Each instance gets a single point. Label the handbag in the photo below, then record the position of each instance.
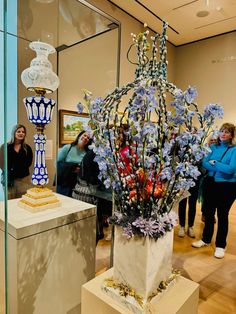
(66, 175)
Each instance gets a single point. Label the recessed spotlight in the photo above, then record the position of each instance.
(202, 13)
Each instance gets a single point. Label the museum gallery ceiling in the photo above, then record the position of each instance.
(189, 20)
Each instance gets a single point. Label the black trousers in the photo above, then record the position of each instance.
(192, 203)
(220, 197)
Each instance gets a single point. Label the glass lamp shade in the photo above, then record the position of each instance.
(40, 76)
(39, 109)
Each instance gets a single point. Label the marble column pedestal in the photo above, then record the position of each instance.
(51, 255)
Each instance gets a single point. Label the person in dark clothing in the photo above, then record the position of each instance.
(71, 155)
(192, 203)
(91, 190)
(221, 189)
(19, 159)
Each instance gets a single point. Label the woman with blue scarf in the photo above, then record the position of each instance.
(220, 188)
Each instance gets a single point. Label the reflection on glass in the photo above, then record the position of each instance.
(79, 22)
(57, 23)
(1, 16)
(19, 159)
(65, 22)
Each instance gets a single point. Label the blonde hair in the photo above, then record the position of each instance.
(231, 128)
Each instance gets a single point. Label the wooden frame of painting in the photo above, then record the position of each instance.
(70, 125)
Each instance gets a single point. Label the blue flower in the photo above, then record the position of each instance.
(185, 184)
(107, 183)
(178, 120)
(80, 107)
(180, 168)
(95, 105)
(190, 115)
(179, 95)
(184, 139)
(190, 94)
(140, 90)
(166, 173)
(192, 171)
(213, 111)
(179, 108)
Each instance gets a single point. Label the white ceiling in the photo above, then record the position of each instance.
(184, 25)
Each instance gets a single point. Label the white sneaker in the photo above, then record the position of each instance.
(199, 244)
(181, 232)
(219, 252)
(191, 232)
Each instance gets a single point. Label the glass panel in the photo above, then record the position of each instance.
(38, 20)
(64, 22)
(56, 22)
(11, 17)
(77, 22)
(95, 72)
(1, 15)
(2, 239)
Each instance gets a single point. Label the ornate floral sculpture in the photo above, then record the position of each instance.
(164, 142)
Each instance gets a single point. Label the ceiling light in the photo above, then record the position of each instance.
(202, 13)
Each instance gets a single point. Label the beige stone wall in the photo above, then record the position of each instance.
(210, 65)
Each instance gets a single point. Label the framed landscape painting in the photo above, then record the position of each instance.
(70, 125)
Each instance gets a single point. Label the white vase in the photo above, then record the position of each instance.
(142, 262)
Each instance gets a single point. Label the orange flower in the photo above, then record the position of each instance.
(132, 195)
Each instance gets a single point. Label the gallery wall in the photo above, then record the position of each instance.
(210, 65)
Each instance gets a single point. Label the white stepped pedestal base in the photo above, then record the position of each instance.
(181, 297)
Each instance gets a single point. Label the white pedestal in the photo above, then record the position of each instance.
(149, 260)
(51, 255)
(181, 298)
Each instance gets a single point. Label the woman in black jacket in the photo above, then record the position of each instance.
(19, 159)
(89, 189)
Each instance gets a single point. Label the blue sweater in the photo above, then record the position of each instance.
(224, 170)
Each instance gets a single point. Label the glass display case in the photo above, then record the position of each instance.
(87, 44)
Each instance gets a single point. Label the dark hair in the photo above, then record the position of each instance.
(230, 127)
(121, 131)
(75, 142)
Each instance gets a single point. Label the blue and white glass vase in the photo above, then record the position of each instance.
(40, 173)
(39, 109)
